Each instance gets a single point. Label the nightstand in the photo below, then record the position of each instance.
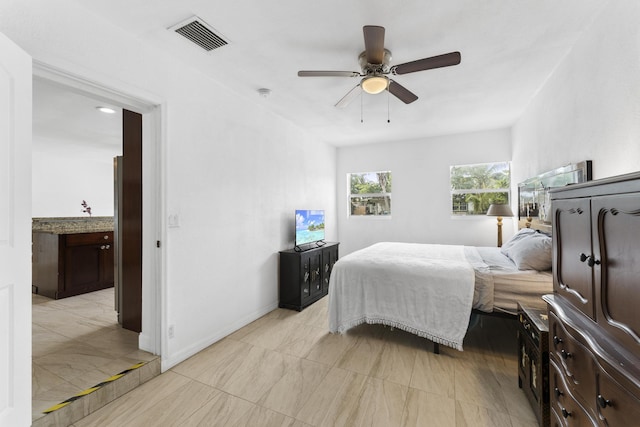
(533, 359)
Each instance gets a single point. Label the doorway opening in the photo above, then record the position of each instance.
(87, 329)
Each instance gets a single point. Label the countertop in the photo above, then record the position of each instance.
(73, 225)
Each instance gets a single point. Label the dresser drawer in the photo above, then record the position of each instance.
(615, 405)
(576, 362)
(89, 238)
(566, 410)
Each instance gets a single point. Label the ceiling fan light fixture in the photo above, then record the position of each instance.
(374, 84)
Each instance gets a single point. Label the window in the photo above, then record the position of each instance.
(370, 193)
(475, 187)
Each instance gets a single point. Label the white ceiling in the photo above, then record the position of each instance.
(70, 120)
(509, 48)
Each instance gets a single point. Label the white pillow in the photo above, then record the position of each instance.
(521, 234)
(533, 252)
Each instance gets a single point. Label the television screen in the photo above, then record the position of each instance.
(309, 226)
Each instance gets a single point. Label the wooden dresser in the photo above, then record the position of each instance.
(304, 276)
(594, 312)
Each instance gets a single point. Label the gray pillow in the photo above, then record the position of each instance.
(533, 252)
(521, 234)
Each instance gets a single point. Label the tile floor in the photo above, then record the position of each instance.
(77, 343)
(285, 369)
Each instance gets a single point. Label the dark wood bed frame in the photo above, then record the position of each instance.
(436, 346)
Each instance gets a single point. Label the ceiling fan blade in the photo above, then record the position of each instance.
(328, 74)
(346, 100)
(401, 92)
(374, 43)
(446, 60)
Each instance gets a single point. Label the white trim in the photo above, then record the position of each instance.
(125, 97)
(154, 154)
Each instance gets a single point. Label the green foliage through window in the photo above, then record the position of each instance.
(475, 187)
(370, 193)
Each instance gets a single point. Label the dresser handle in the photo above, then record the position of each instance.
(565, 354)
(591, 261)
(557, 340)
(565, 413)
(603, 402)
(558, 392)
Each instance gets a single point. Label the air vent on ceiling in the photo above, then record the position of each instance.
(197, 31)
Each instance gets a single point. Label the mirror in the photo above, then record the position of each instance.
(534, 203)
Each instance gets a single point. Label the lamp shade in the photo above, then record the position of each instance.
(499, 210)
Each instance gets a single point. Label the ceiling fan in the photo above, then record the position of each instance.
(374, 62)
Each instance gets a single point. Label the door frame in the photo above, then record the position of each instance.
(153, 201)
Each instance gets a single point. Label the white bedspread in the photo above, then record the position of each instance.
(423, 289)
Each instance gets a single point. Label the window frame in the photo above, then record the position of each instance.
(383, 194)
(456, 192)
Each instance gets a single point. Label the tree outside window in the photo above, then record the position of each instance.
(475, 187)
(370, 193)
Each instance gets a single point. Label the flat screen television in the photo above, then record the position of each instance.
(309, 226)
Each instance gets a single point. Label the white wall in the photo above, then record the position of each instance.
(66, 174)
(421, 200)
(233, 172)
(589, 109)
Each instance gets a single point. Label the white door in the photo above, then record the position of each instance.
(15, 235)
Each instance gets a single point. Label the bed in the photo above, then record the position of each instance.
(430, 290)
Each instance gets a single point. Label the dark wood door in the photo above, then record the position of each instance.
(131, 222)
(82, 269)
(316, 279)
(305, 279)
(88, 263)
(616, 226)
(329, 258)
(573, 277)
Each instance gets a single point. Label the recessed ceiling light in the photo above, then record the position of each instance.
(264, 92)
(106, 110)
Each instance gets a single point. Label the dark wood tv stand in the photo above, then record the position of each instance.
(304, 275)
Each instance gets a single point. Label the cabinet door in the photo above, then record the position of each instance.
(616, 230)
(315, 259)
(329, 258)
(81, 268)
(106, 265)
(305, 277)
(88, 262)
(572, 253)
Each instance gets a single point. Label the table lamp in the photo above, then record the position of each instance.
(499, 211)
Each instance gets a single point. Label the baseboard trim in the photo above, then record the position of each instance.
(172, 360)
